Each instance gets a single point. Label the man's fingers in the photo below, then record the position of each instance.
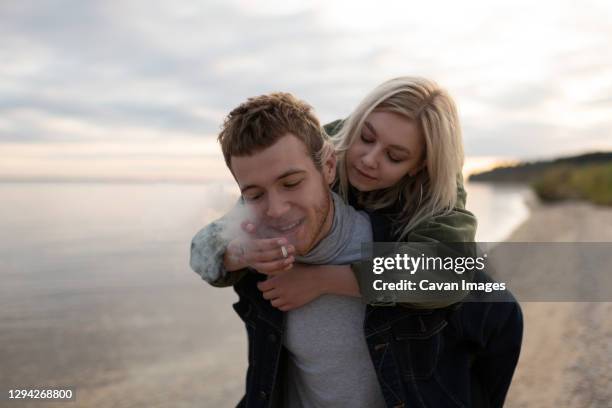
(247, 226)
(263, 250)
(269, 268)
(268, 244)
(272, 254)
(264, 255)
(262, 245)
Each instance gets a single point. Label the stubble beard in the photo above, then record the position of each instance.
(326, 211)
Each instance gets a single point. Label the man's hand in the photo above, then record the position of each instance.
(264, 255)
(294, 288)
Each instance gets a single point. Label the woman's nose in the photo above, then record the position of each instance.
(369, 159)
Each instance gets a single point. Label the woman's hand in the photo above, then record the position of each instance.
(293, 288)
(304, 283)
(264, 255)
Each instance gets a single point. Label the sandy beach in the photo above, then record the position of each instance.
(567, 353)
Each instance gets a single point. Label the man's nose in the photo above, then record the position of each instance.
(277, 206)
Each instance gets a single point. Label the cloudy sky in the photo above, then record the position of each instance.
(138, 89)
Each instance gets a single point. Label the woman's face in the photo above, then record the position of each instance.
(389, 147)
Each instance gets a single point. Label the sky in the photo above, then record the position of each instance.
(138, 89)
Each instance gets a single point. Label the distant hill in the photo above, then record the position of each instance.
(529, 172)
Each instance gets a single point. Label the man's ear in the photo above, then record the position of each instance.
(329, 167)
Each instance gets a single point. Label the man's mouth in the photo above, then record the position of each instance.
(287, 227)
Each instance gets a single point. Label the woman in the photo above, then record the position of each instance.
(400, 157)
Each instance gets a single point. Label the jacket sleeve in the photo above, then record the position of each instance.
(457, 226)
(496, 330)
(206, 258)
(497, 364)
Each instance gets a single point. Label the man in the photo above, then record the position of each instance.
(273, 146)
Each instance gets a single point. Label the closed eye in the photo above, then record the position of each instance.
(291, 185)
(365, 139)
(253, 197)
(394, 159)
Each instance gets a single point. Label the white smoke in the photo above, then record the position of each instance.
(233, 221)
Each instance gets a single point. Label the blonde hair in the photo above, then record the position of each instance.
(433, 191)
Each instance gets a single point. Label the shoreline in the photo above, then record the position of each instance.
(566, 352)
(487, 200)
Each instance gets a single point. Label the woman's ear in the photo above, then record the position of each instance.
(329, 166)
(418, 169)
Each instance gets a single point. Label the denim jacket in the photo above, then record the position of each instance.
(459, 356)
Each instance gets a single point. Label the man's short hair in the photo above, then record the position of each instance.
(259, 122)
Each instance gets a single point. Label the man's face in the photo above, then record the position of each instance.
(288, 194)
